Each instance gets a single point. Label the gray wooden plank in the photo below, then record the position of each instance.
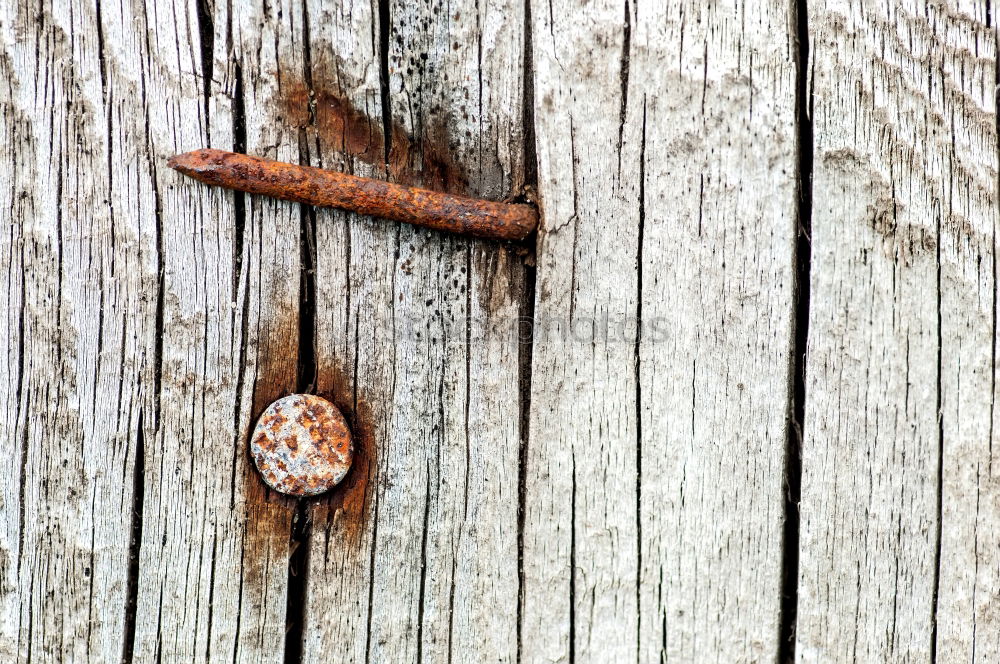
(968, 604)
(215, 543)
(153, 318)
(80, 262)
(660, 377)
(153, 315)
(899, 494)
(416, 558)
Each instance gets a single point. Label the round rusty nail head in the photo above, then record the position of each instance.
(302, 445)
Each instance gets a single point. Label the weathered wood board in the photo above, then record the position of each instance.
(667, 177)
(416, 337)
(900, 497)
(79, 331)
(591, 460)
(212, 541)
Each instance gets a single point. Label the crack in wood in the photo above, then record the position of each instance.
(800, 338)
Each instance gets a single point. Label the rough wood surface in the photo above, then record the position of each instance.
(609, 487)
(141, 307)
(900, 494)
(213, 560)
(655, 461)
(78, 327)
(416, 337)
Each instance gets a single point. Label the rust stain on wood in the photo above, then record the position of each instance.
(344, 511)
(340, 513)
(267, 513)
(424, 161)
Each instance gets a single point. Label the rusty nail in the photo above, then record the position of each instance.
(315, 186)
(302, 445)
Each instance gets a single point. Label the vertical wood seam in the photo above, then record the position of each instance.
(993, 350)
(802, 260)
(936, 584)
(297, 588)
(139, 468)
(135, 539)
(638, 382)
(525, 325)
(239, 220)
(383, 60)
(206, 39)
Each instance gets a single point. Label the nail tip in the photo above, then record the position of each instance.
(185, 162)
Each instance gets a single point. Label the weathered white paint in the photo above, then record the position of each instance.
(667, 175)
(902, 323)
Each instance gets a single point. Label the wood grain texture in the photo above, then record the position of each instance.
(899, 491)
(147, 315)
(610, 488)
(79, 264)
(655, 462)
(213, 563)
(416, 337)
